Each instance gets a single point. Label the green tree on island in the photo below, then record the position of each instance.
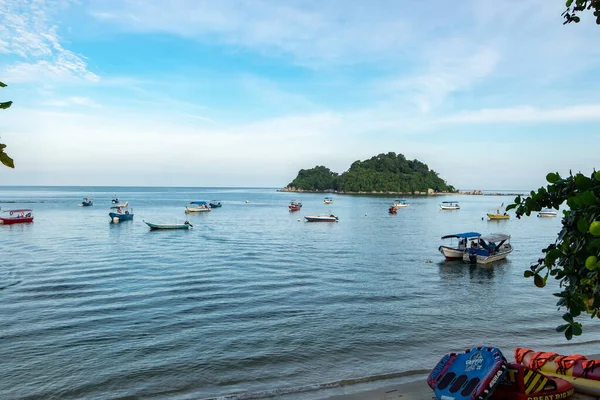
(4, 158)
(382, 173)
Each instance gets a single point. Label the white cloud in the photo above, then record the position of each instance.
(28, 32)
(579, 113)
(71, 101)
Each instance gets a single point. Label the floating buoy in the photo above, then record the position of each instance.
(116, 220)
(365, 214)
(299, 220)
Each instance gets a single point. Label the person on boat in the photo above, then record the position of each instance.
(473, 244)
(462, 244)
(492, 248)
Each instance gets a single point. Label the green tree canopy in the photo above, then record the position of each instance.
(389, 172)
(573, 258)
(576, 6)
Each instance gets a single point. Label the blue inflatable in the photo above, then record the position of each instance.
(472, 375)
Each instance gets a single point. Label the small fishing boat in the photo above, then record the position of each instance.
(87, 202)
(449, 205)
(185, 225)
(321, 218)
(115, 200)
(215, 204)
(400, 203)
(456, 252)
(393, 209)
(197, 206)
(498, 215)
(295, 205)
(328, 200)
(20, 216)
(121, 212)
(489, 248)
(547, 213)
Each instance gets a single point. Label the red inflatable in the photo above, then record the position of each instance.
(522, 383)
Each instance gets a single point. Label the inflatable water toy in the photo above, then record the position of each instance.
(523, 383)
(472, 375)
(582, 373)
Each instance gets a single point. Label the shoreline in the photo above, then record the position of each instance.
(386, 193)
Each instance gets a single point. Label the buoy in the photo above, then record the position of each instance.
(299, 220)
(365, 214)
(116, 220)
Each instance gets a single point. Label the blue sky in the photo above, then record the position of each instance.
(490, 94)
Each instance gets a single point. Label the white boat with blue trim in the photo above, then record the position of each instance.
(449, 205)
(456, 252)
(488, 249)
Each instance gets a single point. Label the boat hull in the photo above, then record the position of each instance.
(18, 220)
(321, 219)
(451, 253)
(498, 216)
(121, 217)
(167, 226)
(480, 257)
(196, 209)
(84, 204)
(450, 208)
(546, 215)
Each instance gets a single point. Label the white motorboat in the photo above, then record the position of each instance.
(400, 203)
(449, 205)
(547, 213)
(197, 206)
(321, 218)
(489, 248)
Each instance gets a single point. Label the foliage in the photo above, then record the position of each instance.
(581, 5)
(573, 258)
(384, 172)
(4, 158)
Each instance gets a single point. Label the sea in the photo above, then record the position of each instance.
(253, 302)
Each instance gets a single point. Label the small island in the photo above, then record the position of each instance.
(389, 173)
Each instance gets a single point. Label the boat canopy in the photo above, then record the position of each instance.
(449, 202)
(495, 237)
(465, 235)
(198, 202)
(401, 201)
(19, 210)
(124, 205)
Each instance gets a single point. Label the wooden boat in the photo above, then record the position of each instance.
(115, 200)
(321, 218)
(449, 205)
(215, 204)
(328, 200)
(185, 225)
(197, 206)
(20, 216)
(295, 205)
(400, 203)
(457, 252)
(121, 212)
(489, 248)
(87, 202)
(582, 373)
(547, 213)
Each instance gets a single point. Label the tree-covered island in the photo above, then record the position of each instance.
(384, 173)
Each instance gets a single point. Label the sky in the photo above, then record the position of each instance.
(490, 94)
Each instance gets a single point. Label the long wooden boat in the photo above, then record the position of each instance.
(498, 216)
(20, 216)
(321, 218)
(185, 225)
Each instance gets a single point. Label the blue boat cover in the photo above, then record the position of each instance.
(465, 235)
(198, 202)
(449, 202)
(472, 375)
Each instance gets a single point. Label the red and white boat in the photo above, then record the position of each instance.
(20, 216)
(295, 206)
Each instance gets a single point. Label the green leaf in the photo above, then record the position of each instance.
(569, 2)
(577, 330)
(5, 105)
(588, 198)
(538, 281)
(582, 225)
(567, 317)
(576, 19)
(528, 274)
(552, 177)
(562, 328)
(582, 182)
(569, 332)
(2, 84)
(6, 160)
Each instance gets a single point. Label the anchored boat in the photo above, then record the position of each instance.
(400, 203)
(215, 204)
(20, 216)
(456, 252)
(321, 218)
(87, 202)
(295, 205)
(197, 206)
(449, 205)
(328, 200)
(121, 212)
(185, 225)
(489, 248)
(547, 213)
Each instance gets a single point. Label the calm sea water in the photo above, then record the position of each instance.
(252, 299)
